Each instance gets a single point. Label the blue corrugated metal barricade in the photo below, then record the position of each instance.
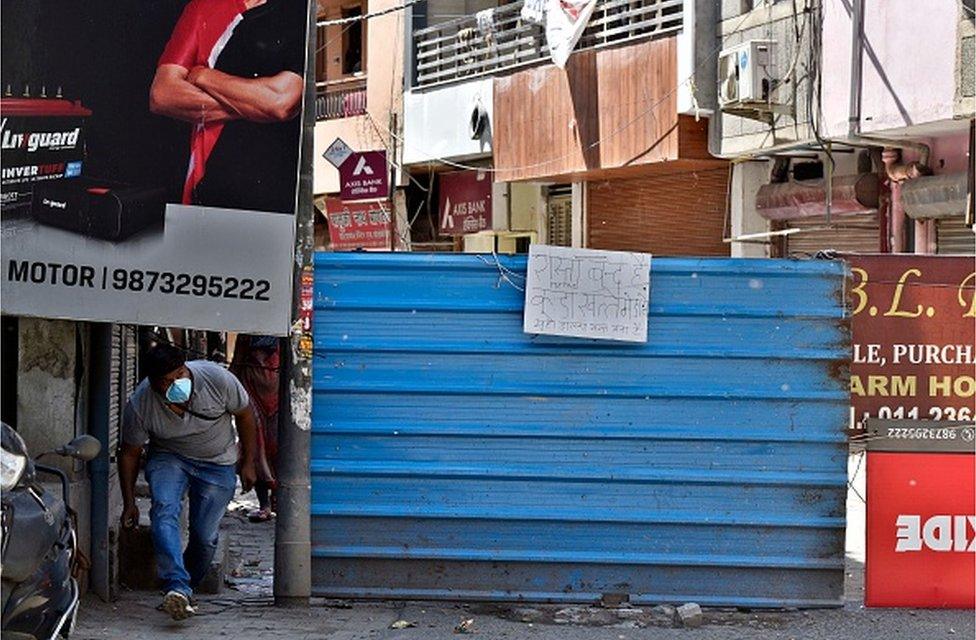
(454, 456)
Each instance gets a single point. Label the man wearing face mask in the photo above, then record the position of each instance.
(183, 411)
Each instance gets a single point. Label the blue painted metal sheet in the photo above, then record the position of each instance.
(454, 456)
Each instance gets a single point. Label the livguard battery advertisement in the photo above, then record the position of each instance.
(150, 156)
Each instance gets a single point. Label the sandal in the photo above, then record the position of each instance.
(260, 515)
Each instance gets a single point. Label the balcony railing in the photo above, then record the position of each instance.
(334, 101)
(458, 49)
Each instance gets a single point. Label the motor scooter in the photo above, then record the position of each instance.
(39, 545)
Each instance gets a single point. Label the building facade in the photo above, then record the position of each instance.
(359, 96)
(874, 155)
(610, 152)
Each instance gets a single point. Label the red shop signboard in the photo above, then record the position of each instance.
(359, 225)
(921, 520)
(464, 202)
(913, 328)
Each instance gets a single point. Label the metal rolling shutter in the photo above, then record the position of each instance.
(860, 235)
(954, 237)
(678, 214)
(455, 456)
(114, 400)
(124, 378)
(125, 349)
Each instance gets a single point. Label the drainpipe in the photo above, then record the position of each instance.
(897, 222)
(99, 391)
(925, 241)
(898, 172)
(921, 237)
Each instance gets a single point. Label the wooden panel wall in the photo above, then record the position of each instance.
(610, 108)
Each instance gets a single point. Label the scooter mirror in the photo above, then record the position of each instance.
(85, 448)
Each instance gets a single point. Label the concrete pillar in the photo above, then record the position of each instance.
(52, 392)
(401, 221)
(579, 215)
(747, 177)
(921, 237)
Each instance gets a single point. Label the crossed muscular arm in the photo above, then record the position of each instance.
(202, 94)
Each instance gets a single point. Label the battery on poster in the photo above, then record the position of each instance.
(40, 140)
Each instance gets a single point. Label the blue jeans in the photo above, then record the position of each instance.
(211, 487)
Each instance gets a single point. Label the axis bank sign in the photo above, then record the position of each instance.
(464, 202)
(364, 176)
(936, 533)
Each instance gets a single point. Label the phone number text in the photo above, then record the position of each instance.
(186, 284)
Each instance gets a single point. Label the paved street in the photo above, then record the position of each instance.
(244, 610)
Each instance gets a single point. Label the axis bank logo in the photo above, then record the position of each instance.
(938, 533)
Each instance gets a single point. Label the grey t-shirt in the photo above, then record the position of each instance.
(217, 393)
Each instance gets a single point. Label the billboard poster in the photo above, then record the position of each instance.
(153, 179)
(359, 225)
(913, 323)
(465, 202)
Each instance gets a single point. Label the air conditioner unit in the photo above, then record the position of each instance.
(746, 76)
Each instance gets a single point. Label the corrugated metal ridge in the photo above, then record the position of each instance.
(655, 310)
(514, 267)
(554, 350)
(477, 431)
(739, 266)
(413, 469)
(386, 593)
(554, 391)
(525, 515)
(657, 559)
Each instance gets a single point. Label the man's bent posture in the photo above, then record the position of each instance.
(184, 411)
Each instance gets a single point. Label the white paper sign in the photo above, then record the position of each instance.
(586, 293)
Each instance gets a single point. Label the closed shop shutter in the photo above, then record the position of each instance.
(124, 374)
(851, 235)
(115, 401)
(954, 237)
(678, 214)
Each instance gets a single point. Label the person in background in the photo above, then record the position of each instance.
(255, 363)
(186, 412)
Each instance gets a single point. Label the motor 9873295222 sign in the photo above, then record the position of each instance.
(187, 284)
(140, 280)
